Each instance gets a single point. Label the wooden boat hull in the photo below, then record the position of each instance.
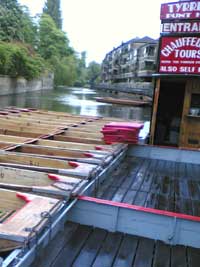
(123, 101)
(31, 162)
(38, 156)
(65, 154)
(22, 217)
(40, 182)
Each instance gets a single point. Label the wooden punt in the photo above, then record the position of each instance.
(62, 153)
(74, 138)
(78, 133)
(22, 216)
(37, 122)
(86, 147)
(63, 115)
(58, 135)
(35, 131)
(87, 128)
(14, 139)
(10, 140)
(27, 128)
(59, 118)
(53, 115)
(29, 132)
(23, 125)
(22, 118)
(123, 101)
(40, 182)
(64, 167)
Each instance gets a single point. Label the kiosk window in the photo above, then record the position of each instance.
(195, 101)
(195, 105)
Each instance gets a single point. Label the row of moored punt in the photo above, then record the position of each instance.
(45, 158)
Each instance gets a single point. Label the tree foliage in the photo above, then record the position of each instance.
(18, 60)
(52, 8)
(65, 71)
(54, 48)
(10, 21)
(52, 41)
(16, 23)
(29, 28)
(28, 46)
(81, 69)
(93, 72)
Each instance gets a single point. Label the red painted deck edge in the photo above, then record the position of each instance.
(140, 208)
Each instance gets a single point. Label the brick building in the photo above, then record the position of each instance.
(130, 62)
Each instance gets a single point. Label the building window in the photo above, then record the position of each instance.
(150, 51)
(195, 105)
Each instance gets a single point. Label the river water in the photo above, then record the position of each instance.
(76, 101)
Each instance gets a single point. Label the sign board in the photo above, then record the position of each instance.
(180, 55)
(180, 10)
(181, 27)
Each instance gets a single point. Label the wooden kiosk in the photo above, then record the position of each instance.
(176, 110)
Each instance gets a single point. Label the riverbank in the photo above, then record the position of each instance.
(12, 86)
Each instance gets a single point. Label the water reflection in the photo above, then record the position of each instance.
(75, 101)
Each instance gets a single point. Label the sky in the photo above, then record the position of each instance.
(97, 26)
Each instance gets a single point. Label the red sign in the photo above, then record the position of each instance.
(180, 10)
(180, 55)
(181, 27)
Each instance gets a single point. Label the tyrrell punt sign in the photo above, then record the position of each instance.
(180, 55)
(180, 10)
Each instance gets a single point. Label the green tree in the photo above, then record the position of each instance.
(81, 69)
(29, 28)
(17, 60)
(93, 72)
(54, 48)
(52, 41)
(10, 21)
(65, 71)
(52, 8)
(16, 23)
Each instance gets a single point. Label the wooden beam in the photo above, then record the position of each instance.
(154, 113)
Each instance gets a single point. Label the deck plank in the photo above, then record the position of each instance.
(140, 198)
(144, 254)
(109, 193)
(162, 255)
(45, 258)
(193, 257)
(69, 253)
(126, 252)
(138, 179)
(108, 251)
(129, 197)
(178, 256)
(119, 194)
(154, 183)
(83, 246)
(91, 248)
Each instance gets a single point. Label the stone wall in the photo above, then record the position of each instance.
(10, 86)
(143, 88)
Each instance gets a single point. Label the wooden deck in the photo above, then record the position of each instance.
(84, 246)
(152, 183)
